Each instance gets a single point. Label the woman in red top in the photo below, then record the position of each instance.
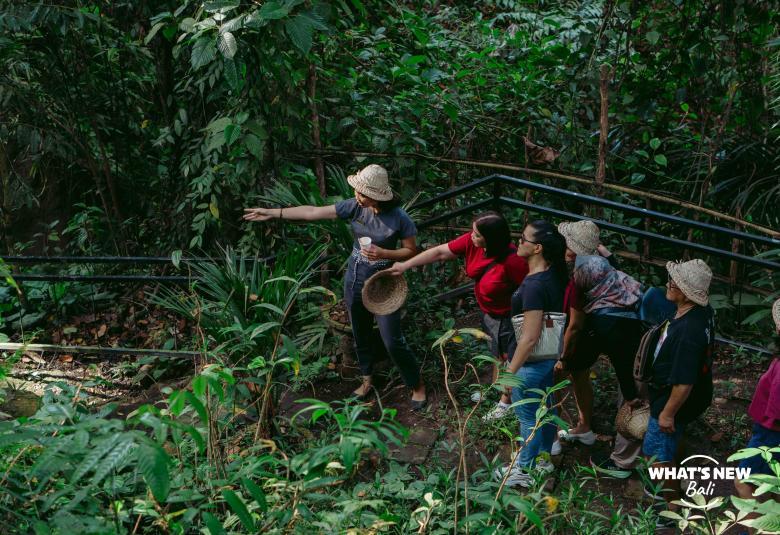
(492, 261)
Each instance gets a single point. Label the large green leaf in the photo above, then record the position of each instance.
(153, 464)
(273, 10)
(203, 52)
(232, 133)
(231, 74)
(240, 509)
(221, 5)
(254, 145)
(300, 29)
(227, 44)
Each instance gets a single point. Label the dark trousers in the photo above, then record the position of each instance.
(389, 327)
(618, 338)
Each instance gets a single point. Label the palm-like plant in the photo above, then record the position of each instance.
(245, 309)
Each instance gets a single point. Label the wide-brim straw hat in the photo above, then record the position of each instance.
(373, 182)
(582, 237)
(384, 293)
(776, 314)
(632, 423)
(692, 278)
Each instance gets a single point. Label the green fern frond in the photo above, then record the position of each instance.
(153, 465)
(115, 458)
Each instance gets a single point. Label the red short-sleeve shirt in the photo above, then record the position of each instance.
(573, 297)
(494, 290)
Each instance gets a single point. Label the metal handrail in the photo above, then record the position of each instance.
(497, 199)
(140, 260)
(637, 210)
(760, 262)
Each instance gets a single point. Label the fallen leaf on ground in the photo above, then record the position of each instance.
(65, 358)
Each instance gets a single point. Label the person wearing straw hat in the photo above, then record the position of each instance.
(497, 271)
(680, 386)
(378, 224)
(764, 410)
(602, 304)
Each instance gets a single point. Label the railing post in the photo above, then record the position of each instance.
(496, 193)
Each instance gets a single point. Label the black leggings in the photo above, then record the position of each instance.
(618, 338)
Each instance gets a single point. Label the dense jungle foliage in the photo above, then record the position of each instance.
(144, 128)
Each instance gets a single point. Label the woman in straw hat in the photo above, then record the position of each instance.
(376, 218)
(497, 271)
(541, 291)
(680, 386)
(602, 304)
(764, 410)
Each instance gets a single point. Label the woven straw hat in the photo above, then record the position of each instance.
(693, 278)
(372, 182)
(632, 423)
(582, 237)
(384, 293)
(776, 314)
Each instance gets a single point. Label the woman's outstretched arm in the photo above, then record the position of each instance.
(294, 213)
(435, 254)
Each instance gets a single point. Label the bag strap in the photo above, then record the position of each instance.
(490, 266)
(485, 271)
(645, 352)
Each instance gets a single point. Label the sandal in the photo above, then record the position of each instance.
(419, 405)
(365, 396)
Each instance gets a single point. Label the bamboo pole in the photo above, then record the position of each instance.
(601, 169)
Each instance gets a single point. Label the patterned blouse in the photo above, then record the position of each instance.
(603, 285)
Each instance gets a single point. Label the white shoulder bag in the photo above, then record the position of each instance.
(550, 343)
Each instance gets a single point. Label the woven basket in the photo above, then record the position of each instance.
(632, 423)
(384, 293)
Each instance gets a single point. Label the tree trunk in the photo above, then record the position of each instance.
(605, 75)
(319, 168)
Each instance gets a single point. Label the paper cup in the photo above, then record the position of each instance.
(365, 242)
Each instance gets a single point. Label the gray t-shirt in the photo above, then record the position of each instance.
(384, 228)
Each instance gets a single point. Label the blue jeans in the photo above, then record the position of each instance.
(762, 436)
(533, 375)
(363, 327)
(659, 444)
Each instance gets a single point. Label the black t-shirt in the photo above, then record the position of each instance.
(539, 291)
(685, 358)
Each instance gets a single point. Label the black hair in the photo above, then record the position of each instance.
(553, 248)
(495, 230)
(384, 206)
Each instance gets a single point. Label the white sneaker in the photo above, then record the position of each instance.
(519, 477)
(545, 466)
(556, 448)
(476, 397)
(496, 413)
(585, 438)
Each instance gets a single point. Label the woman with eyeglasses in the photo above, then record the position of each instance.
(680, 386)
(497, 271)
(542, 291)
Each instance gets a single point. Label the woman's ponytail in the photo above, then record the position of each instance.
(553, 248)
